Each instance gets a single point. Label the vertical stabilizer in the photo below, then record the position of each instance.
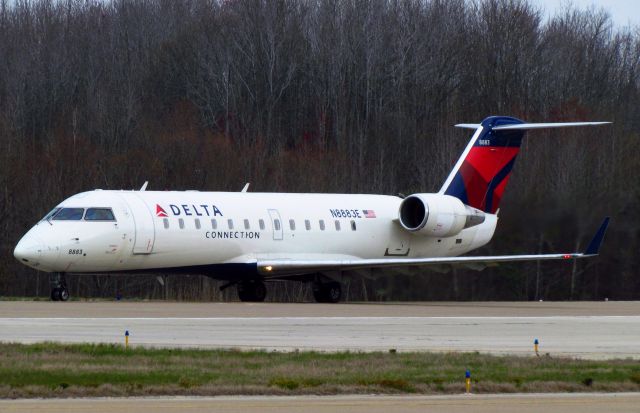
(480, 176)
(482, 172)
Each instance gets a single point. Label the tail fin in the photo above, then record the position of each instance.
(481, 174)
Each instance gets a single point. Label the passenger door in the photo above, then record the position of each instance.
(145, 228)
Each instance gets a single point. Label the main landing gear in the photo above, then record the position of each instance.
(329, 292)
(59, 290)
(253, 291)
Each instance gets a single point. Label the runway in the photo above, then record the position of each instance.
(523, 403)
(597, 330)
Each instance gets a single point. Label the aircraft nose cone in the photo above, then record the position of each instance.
(29, 250)
(32, 251)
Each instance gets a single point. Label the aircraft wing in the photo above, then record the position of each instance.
(280, 267)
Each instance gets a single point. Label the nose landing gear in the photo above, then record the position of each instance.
(58, 284)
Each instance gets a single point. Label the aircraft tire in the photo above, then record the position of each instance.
(259, 291)
(330, 292)
(55, 294)
(333, 292)
(64, 294)
(252, 291)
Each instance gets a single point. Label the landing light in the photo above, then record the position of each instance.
(268, 268)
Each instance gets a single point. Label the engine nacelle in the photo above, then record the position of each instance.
(435, 215)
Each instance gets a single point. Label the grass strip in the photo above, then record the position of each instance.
(75, 370)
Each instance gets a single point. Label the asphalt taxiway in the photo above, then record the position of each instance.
(522, 403)
(579, 329)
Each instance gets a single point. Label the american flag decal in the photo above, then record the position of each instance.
(369, 213)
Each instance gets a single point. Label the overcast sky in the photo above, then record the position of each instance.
(623, 12)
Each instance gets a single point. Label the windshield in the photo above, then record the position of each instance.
(50, 214)
(69, 214)
(99, 214)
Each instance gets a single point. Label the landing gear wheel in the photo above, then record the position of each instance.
(58, 283)
(330, 292)
(252, 291)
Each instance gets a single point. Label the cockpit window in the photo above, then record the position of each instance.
(99, 214)
(69, 214)
(50, 214)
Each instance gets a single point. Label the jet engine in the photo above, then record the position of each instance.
(436, 215)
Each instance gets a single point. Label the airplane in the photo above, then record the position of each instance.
(247, 238)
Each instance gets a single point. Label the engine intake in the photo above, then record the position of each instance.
(437, 215)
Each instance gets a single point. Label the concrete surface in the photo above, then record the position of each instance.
(587, 330)
(168, 309)
(522, 403)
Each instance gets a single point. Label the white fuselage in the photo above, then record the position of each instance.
(172, 230)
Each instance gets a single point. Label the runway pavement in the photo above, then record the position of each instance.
(169, 309)
(522, 403)
(588, 330)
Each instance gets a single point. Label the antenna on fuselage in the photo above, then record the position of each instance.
(144, 186)
(246, 187)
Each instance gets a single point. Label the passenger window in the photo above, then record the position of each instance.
(99, 214)
(276, 224)
(181, 223)
(261, 222)
(197, 223)
(322, 225)
(353, 225)
(214, 224)
(307, 224)
(292, 224)
(246, 224)
(166, 223)
(230, 222)
(337, 225)
(69, 214)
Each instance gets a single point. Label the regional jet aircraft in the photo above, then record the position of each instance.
(250, 238)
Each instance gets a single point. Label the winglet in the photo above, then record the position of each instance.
(594, 245)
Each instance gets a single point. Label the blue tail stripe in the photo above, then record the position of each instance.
(457, 188)
(497, 180)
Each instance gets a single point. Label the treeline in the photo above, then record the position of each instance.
(325, 96)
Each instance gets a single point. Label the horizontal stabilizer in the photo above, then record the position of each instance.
(527, 126)
(468, 125)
